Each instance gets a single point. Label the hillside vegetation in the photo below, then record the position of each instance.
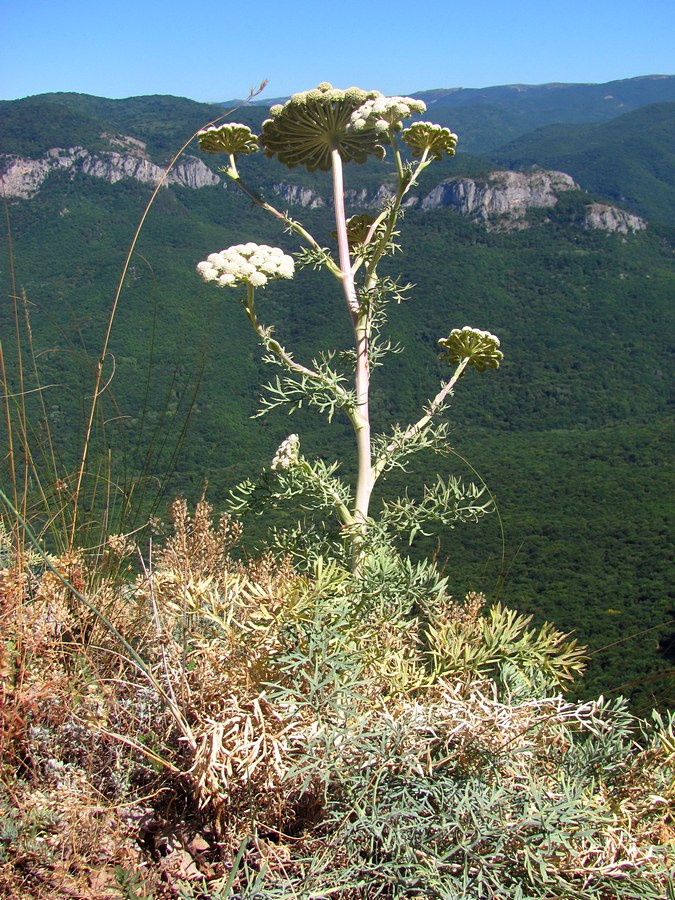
(587, 318)
(630, 159)
(294, 697)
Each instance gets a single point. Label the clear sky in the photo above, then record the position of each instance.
(216, 51)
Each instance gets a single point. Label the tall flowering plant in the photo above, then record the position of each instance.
(322, 129)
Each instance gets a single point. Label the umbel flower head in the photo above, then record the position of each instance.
(480, 347)
(435, 139)
(383, 113)
(309, 126)
(288, 453)
(228, 138)
(252, 264)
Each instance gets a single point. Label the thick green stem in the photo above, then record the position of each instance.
(360, 416)
(361, 421)
(346, 273)
(360, 316)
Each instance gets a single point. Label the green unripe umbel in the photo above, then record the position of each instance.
(480, 348)
(230, 138)
(435, 139)
(312, 124)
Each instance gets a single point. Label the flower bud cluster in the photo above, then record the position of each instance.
(434, 139)
(288, 453)
(250, 263)
(481, 348)
(383, 113)
(229, 138)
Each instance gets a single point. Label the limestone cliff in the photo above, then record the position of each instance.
(500, 195)
(611, 218)
(295, 195)
(23, 178)
(499, 200)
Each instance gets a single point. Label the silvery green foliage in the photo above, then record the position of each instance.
(463, 787)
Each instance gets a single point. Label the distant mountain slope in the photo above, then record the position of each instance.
(630, 159)
(36, 124)
(487, 118)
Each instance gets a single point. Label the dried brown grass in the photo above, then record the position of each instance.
(238, 732)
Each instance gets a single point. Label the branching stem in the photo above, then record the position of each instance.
(280, 352)
(294, 226)
(413, 430)
(379, 239)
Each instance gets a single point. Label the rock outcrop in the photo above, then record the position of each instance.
(501, 195)
(611, 218)
(499, 200)
(296, 195)
(23, 178)
(363, 198)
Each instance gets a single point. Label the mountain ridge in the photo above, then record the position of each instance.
(499, 199)
(629, 159)
(521, 107)
(464, 93)
(625, 162)
(47, 128)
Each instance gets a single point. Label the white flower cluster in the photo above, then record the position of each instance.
(383, 112)
(250, 263)
(287, 454)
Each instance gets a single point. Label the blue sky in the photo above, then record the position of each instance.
(217, 50)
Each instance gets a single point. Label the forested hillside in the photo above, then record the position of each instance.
(629, 159)
(573, 435)
(490, 117)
